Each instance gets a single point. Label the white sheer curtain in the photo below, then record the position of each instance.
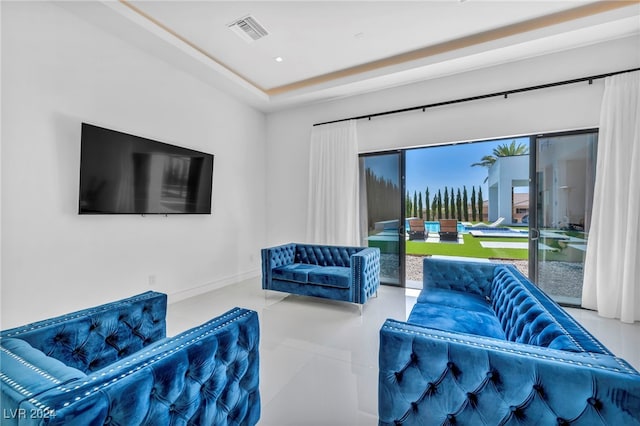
(333, 208)
(612, 264)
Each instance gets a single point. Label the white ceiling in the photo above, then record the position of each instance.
(340, 48)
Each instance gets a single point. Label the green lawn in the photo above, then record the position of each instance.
(470, 248)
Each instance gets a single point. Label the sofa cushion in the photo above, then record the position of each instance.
(447, 318)
(294, 272)
(456, 299)
(332, 276)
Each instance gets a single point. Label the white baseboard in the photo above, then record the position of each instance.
(215, 285)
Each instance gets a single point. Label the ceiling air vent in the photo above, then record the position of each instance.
(249, 29)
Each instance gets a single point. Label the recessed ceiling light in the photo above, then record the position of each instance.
(278, 59)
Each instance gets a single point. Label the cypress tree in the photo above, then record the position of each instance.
(459, 205)
(420, 205)
(465, 204)
(446, 203)
(415, 204)
(474, 212)
(480, 206)
(434, 206)
(439, 205)
(426, 205)
(453, 205)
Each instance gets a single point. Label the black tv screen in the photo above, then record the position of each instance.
(127, 174)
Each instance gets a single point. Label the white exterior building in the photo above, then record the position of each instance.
(506, 174)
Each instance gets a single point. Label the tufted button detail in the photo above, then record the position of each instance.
(431, 388)
(451, 418)
(414, 357)
(517, 411)
(473, 399)
(593, 401)
(562, 422)
(453, 368)
(108, 420)
(172, 408)
(398, 375)
(414, 406)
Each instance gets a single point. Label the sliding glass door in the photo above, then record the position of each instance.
(384, 181)
(556, 209)
(563, 179)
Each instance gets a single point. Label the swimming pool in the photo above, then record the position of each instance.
(478, 231)
(434, 226)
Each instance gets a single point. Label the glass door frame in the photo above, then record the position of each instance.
(401, 227)
(534, 232)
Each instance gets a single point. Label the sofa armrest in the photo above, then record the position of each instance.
(365, 273)
(469, 277)
(206, 375)
(26, 372)
(429, 376)
(274, 257)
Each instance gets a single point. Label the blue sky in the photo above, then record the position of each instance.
(450, 165)
(440, 166)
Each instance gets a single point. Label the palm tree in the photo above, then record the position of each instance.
(511, 150)
(486, 161)
(503, 150)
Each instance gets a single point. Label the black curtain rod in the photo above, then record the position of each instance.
(490, 95)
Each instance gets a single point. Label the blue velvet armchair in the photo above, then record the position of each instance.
(350, 274)
(112, 364)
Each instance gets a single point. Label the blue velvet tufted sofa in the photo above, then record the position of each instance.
(350, 274)
(484, 346)
(112, 364)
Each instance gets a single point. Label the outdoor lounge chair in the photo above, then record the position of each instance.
(448, 230)
(417, 230)
(491, 225)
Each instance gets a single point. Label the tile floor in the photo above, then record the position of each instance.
(319, 358)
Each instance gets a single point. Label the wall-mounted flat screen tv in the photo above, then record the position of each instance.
(126, 174)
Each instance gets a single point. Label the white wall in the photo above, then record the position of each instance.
(561, 108)
(504, 175)
(58, 71)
